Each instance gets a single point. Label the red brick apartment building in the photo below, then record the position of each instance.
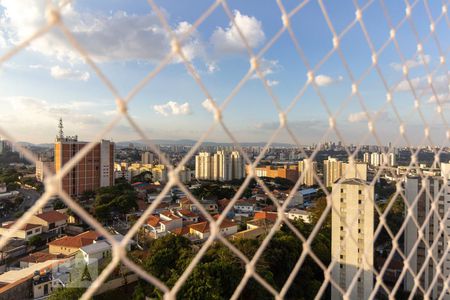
(94, 170)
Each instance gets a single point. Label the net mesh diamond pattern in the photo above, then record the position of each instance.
(55, 21)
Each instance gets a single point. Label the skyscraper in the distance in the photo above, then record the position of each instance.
(332, 171)
(352, 237)
(147, 157)
(203, 166)
(94, 170)
(308, 173)
(221, 166)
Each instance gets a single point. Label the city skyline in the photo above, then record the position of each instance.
(54, 82)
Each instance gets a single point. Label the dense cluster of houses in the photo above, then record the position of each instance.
(246, 218)
(45, 251)
(41, 257)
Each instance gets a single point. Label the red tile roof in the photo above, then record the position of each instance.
(52, 216)
(204, 226)
(180, 230)
(169, 214)
(153, 220)
(200, 227)
(187, 213)
(38, 257)
(272, 216)
(78, 241)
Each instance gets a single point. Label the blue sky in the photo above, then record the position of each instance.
(48, 79)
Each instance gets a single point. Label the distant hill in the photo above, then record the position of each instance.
(186, 142)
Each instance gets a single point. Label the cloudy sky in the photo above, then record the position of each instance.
(126, 40)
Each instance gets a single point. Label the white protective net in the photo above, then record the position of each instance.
(55, 21)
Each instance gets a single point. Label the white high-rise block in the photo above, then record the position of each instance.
(352, 237)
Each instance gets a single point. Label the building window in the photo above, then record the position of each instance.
(359, 192)
(342, 190)
(359, 201)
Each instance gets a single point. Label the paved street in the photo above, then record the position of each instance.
(30, 197)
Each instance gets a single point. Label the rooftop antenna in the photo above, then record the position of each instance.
(61, 127)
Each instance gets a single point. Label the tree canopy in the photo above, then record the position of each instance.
(220, 270)
(117, 199)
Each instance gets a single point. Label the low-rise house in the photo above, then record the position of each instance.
(96, 251)
(70, 245)
(263, 219)
(308, 194)
(180, 231)
(188, 216)
(209, 205)
(165, 199)
(299, 214)
(100, 249)
(38, 257)
(201, 230)
(282, 196)
(25, 283)
(272, 216)
(158, 226)
(14, 247)
(25, 232)
(53, 222)
(244, 207)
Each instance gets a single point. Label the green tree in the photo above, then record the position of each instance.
(58, 204)
(36, 241)
(145, 176)
(318, 209)
(118, 199)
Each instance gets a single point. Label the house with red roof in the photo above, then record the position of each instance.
(188, 216)
(70, 245)
(25, 232)
(52, 222)
(201, 230)
(160, 225)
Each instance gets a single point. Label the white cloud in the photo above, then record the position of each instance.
(325, 80)
(212, 67)
(173, 108)
(362, 116)
(268, 67)
(228, 40)
(208, 105)
(75, 112)
(440, 84)
(118, 36)
(58, 72)
(272, 82)
(443, 98)
(357, 117)
(412, 63)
